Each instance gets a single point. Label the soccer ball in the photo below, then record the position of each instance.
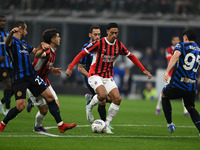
(98, 126)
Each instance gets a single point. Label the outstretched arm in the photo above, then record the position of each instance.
(134, 59)
(171, 64)
(10, 36)
(82, 70)
(75, 61)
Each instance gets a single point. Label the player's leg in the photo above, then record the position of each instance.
(186, 113)
(158, 106)
(20, 95)
(97, 84)
(189, 103)
(40, 117)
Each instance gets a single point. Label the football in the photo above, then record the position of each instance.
(98, 126)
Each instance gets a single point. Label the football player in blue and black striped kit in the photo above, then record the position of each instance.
(6, 69)
(26, 77)
(183, 83)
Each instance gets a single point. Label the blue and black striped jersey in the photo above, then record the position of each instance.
(87, 60)
(184, 75)
(7, 63)
(19, 54)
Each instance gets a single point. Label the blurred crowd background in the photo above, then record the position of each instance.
(146, 28)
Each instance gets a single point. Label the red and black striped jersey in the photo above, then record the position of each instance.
(42, 65)
(104, 56)
(169, 53)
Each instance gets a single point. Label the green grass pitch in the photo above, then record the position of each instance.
(136, 126)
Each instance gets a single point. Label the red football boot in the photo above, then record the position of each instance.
(65, 127)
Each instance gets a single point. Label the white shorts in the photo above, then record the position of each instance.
(39, 101)
(96, 81)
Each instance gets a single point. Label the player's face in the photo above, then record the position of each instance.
(2, 23)
(112, 34)
(95, 35)
(185, 39)
(56, 39)
(24, 31)
(175, 40)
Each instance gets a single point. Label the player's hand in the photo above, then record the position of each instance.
(166, 77)
(45, 46)
(68, 72)
(148, 74)
(57, 71)
(2, 59)
(16, 29)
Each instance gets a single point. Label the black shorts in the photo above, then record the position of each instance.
(5, 73)
(176, 93)
(34, 83)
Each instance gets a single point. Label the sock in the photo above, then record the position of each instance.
(158, 106)
(195, 117)
(11, 114)
(39, 119)
(1, 103)
(112, 111)
(102, 112)
(7, 97)
(184, 109)
(54, 110)
(93, 102)
(166, 105)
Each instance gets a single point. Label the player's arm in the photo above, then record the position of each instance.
(41, 53)
(56, 71)
(81, 69)
(9, 38)
(75, 61)
(173, 60)
(136, 61)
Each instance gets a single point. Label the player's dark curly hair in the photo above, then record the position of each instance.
(191, 34)
(20, 23)
(48, 34)
(93, 27)
(112, 25)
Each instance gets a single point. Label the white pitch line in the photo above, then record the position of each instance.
(101, 136)
(126, 125)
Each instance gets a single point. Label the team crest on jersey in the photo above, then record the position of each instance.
(19, 93)
(178, 45)
(4, 74)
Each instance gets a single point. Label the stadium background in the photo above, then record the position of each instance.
(143, 24)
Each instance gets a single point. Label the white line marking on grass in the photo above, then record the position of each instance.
(126, 125)
(101, 136)
(48, 134)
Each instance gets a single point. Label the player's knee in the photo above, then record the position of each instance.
(21, 106)
(43, 110)
(102, 96)
(103, 102)
(117, 100)
(49, 97)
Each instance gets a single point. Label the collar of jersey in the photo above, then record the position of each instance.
(109, 42)
(52, 50)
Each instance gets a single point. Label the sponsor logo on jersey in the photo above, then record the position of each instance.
(19, 93)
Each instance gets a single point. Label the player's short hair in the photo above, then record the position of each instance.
(20, 23)
(48, 34)
(191, 34)
(93, 27)
(2, 16)
(174, 36)
(112, 25)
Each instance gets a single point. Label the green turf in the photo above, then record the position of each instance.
(135, 127)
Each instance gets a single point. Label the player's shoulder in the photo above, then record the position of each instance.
(179, 45)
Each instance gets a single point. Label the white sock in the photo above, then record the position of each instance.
(184, 109)
(158, 106)
(39, 119)
(60, 123)
(112, 111)
(1, 103)
(93, 102)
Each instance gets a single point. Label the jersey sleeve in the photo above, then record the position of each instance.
(124, 50)
(83, 60)
(92, 47)
(178, 47)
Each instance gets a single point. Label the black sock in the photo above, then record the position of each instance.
(102, 112)
(195, 117)
(11, 114)
(7, 97)
(54, 110)
(167, 109)
(3, 100)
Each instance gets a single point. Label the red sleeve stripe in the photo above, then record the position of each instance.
(134, 59)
